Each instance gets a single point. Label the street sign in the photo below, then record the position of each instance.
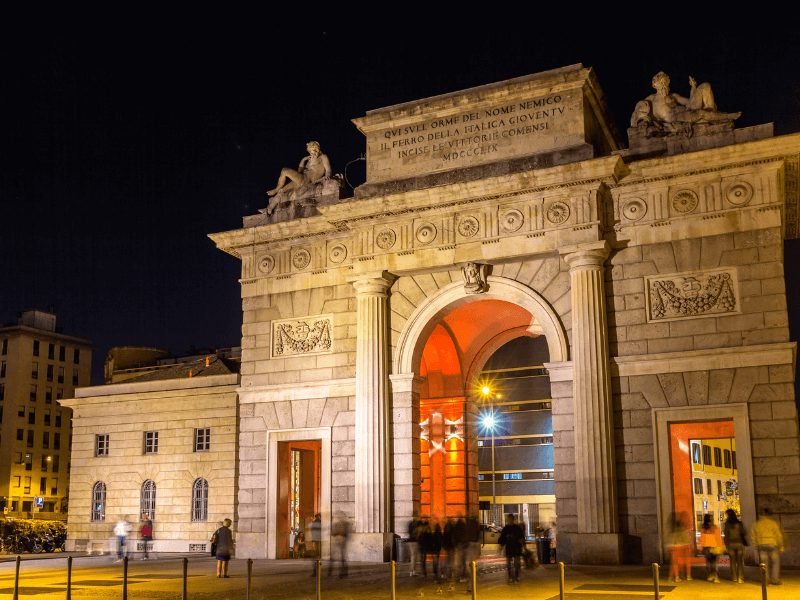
(38, 502)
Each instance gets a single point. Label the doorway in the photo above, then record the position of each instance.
(298, 494)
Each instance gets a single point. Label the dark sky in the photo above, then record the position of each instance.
(120, 152)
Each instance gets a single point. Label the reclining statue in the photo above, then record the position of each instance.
(313, 168)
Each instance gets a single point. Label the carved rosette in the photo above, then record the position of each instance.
(634, 209)
(558, 212)
(306, 336)
(337, 253)
(426, 233)
(385, 239)
(692, 295)
(511, 220)
(468, 227)
(265, 264)
(739, 193)
(684, 201)
(301, 259)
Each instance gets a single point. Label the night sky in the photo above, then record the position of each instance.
(120, 153)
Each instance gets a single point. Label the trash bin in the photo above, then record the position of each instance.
(401, 553)
(543, 550)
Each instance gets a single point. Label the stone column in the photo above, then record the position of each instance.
(598, 539)
(372, 475)
(405, 449)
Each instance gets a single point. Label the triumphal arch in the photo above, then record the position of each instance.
(648, 272)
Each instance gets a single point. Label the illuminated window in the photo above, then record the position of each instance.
(150, 442)
(148, 499)
(99, 501)
(200, 500)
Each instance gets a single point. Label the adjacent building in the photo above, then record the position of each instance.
(39, 366)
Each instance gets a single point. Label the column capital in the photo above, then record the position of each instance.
(581, 256)
(375, 283)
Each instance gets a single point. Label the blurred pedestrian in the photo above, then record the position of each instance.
(735, 541)
(512, 538)
(413, 544)
(712, 545)
(146, 534)
(679, 543)
(472, 548)
(768, 537)
(316, 541)
(121, 531)
(223, 538)
(339, 534)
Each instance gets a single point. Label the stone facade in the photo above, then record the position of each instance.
(657, 282)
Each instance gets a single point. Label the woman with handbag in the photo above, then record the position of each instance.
(735, 541)
(711, 543)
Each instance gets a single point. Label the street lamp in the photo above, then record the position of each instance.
(489, 422)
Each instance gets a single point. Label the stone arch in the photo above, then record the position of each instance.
(428, 313)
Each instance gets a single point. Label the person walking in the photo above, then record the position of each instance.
(223, 539)
(339, 536)
(413, 544)
(512, 538)
(711, 542)
(679, 542)
(769, 538)
(735, 541)
(121, 531)
(146, 533)
(316, 541)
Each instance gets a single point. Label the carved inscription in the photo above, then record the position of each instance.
(310, 335)
(692, 295)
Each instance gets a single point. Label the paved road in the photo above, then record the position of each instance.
(99, 578)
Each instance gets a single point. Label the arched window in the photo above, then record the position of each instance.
(200, 500)
(148, 503)
(99, 501)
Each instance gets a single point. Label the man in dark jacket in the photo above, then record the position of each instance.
(512, 538)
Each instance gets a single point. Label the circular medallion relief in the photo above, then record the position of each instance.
(558, 212)
(385, 239)
(684, 201)
(265, 264)
(301, 259)
(634, 209)
(468, 226)
(739, 193)
(511, 220)
(426, 233)
(337, 253)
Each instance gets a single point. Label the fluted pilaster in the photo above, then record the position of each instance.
(594, 423)
(372, 479)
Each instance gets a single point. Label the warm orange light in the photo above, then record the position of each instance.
(486, 390)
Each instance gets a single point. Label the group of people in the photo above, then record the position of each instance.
(766, 535)
(122, 530)
(458, 539)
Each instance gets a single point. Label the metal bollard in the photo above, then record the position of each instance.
(394, 580)
(474, 566)
(319, 579)
(16, 578)
(125, 578)
(249, 577)
(185, 592)
(763, 568)
(561, 581)
(655, 581)
(69, 578)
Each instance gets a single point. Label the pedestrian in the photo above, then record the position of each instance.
(712, 545)
(300, 545)
(121, 530)
(735, 541)
(316, 541)
(146, 533)
(214, 539)
(679, 542)
(472, 548)
(512, 538)
(769, 538)
(223, 539)
(413, 543)
(339, 535)
(424, 541)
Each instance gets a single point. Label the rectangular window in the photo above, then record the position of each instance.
(3, 369)
(43, 486)
(54, 487)
(34, 370)
(20, 435)
(33, 393)
(29, 441)
(717, 457)
(29, 462)
(202, 439)
(706, 455)
(51, 351)
(56, 441)
(17, 481)
(733, 459)
(48, 395)
(45, 463)
(31, 417)
(726, 456)
(62, 353)
(4, 348)
(708, 487)
(60, 374)
(35, 348)
(47, 419)
(719, 488)
(59, 394)
(56, 465)
(101, 445)
(46, 439)
(49, 373)
(74, 376)
(150, 442)
(26, 485)
(76, 356)
(21, 410)
(58, 418)
(2, 391)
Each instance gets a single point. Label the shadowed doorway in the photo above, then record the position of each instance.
(298, 495)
